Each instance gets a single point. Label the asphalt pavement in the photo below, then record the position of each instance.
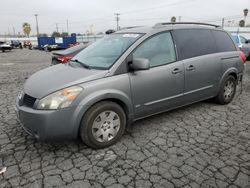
(201, 145)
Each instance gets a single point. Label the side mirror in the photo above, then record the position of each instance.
(247, 41)
(140, 64)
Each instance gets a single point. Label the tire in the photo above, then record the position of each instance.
(227, 90)
(100, 125)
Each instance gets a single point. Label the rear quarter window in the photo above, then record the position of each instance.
(223, 41)
(194, 42)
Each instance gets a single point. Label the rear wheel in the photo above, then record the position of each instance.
(103, 125)
(227, 90)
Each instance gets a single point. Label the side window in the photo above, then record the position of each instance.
(159, 50)
(223, 41)
(194, 42)
(243, 40)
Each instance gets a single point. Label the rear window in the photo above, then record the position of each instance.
(223, 41)
(194, 42)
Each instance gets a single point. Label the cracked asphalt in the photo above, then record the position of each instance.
(201, 145)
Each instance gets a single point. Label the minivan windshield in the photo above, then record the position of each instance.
(104, 53)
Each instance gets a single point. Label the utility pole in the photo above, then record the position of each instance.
(37, 28)
(117, 19)
(223, 22)
(57, 27)
(91, 29)
(68, 27)
(179, 18)
(245, 11)
(14, 31)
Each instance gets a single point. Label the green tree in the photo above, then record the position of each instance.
(173, 19)
(43, 35)
(64, 34)
(26, 29)
(56, 34)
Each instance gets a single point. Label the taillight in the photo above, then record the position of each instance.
(64, 59)
(243, 57)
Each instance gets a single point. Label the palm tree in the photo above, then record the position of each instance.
(242, 23)
(26, 29)
(245, 11)
(173, 19)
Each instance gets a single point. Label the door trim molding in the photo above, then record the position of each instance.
(200, 89)
(175, 96)
(162, 100)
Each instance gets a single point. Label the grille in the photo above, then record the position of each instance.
(28, 100)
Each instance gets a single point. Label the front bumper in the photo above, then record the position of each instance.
(48, 124)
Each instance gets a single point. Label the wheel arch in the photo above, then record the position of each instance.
(232, 71)
(234, 75)
(114, 96)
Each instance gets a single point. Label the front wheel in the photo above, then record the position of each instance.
(227, 90)
(103, 124)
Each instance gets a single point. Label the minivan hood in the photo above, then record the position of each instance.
(58, 77)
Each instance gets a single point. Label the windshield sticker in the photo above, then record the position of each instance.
(130, 35)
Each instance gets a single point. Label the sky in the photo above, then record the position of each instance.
(98, 15)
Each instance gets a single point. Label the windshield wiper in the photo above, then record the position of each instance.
(81, 63)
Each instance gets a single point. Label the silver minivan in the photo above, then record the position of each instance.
(129, 75)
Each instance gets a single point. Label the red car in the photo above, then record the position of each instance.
(65, 56)
(27, 44)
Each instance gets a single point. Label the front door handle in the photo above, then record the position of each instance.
(190, 68)
(176, 71)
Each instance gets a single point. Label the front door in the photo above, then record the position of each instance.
(160, 87)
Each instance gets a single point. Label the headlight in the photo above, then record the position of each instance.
(59, 99)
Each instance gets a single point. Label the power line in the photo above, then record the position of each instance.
(68, 27)
(57, 27)
(158, 7)
(132, 11)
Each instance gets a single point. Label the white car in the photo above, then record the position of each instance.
(4, 46)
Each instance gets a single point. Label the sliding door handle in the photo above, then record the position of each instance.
(176, 71)
(190, 68)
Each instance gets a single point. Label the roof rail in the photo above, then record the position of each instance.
(131, 27)
(188, 23)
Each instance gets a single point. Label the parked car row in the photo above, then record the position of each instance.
(15, 44)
